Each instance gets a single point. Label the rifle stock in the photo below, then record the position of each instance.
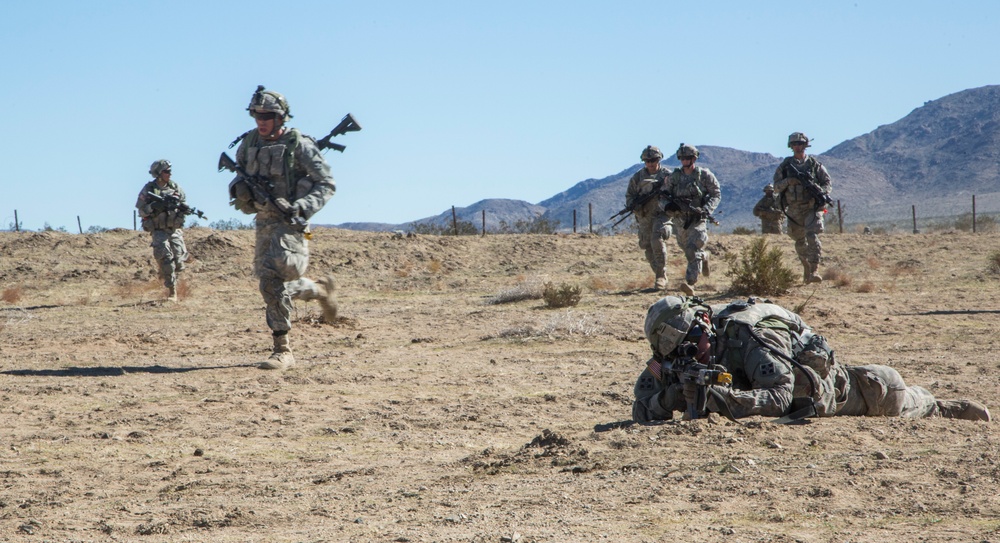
(347, 124)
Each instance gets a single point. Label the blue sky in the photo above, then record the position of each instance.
(460, 101)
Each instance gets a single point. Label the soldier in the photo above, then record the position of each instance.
(690, 196)
(158, 206)
(654, 226)
(768, 210)
(802, 186)
(773, 357)
(287, 181)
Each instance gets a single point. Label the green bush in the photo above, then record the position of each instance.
(231, 224)
(743, 231)
(759, 270)
(465, 228)
(564, 295)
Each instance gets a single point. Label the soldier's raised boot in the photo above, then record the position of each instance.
(963, 409)
(281, 358)
(687, 289)
(327, 300)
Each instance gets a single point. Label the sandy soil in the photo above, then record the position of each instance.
(428, 413)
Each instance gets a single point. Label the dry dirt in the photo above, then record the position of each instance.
(426, 413)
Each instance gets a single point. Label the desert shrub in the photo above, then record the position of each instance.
(994, 262)
(759, 269)
(530, 289)
(743, 231)
(597, 284)
(538, 225)
(838, 277)
(867, 286)
(48, 228)
(564, 295)
(95, 229)
(465, 228)
(12, 295)
(231, 224)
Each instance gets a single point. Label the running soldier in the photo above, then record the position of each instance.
(654, 226)
(802, 186)
(768, 210)
(773, 358)
(159, 205)
(690, 196)
(284, 181)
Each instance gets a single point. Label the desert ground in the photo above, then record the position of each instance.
(427, 412)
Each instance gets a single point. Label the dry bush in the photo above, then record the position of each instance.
(867, 286)
(873, 262)
(994, 262)
(600, 284)
(641, 284)
(759, 270)
(434, 266)
(905, 267)
(12, 295)
(564, 295)
(525, 289)
(837, 276)
(183, 290)
(136, 288)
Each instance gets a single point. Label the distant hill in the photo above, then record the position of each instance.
(935, 158)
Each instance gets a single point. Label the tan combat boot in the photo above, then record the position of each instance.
(172, 296)
(661, 282)
(281, 358)
(963, 409)
(687, 289)
(326, 299)
(810, 275)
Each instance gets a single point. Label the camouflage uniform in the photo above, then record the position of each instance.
(654, 226)
(755, 342)
(701, 188)
(300, 177)
(164, 225)
(768, 210)
(805, 214)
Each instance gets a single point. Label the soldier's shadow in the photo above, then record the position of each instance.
(114, 371)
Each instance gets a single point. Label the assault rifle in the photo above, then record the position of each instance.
(637, 203)
(806, 180)
(684, 205)
(171, 202)
(691, 373)
(260, 188)
(347, 124)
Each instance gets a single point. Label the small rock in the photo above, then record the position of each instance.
(881, 455)
(199, 452)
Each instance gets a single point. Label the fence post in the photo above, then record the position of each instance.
(134, 227)
(574, 221)
(590, 217)
(840, 217)
(484, 222)
(78, 225)
(17, 227)
(454, 220)
(973, 213)
(914, 218)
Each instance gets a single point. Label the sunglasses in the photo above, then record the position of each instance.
(265, 116)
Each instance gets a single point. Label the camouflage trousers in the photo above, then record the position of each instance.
(281, 257)
(770, 226)
(805, 228)
(879, 391)
(654, 231)
(170, 254)
(692, 241)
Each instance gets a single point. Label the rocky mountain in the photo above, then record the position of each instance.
(936, 158)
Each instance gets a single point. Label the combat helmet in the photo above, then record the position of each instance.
(687, 150)
(651, 153)
(265, 101)
(670, 320)
(158, 167)
(797, 137)
(769, 188)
